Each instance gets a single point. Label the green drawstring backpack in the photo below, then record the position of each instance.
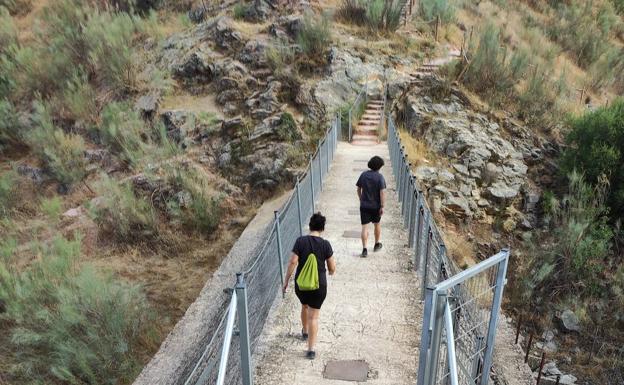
(308, 279)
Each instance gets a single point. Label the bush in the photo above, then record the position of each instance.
(240, 10)
(8, 31)
(430, 10)
(576, 246)
(16, 7)
(618, 5)
(62, 153)
(194, 205)
(487, 70)
(10, 127)
(80, 100)
(584, 29)
(279, 56)
(595, 141)
(378, 15)
(314, 37)
(8, 192)
(287, 129)
(67, 323)
(52, 208)
(121, 213)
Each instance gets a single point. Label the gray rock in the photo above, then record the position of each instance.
(457, 205)
(147, 105)
(569, 321)
(501, 191)
(225, 35)
(259, 10)
(254, 53)
(197, 66)
(35, 174)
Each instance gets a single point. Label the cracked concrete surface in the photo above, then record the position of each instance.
(372, 311)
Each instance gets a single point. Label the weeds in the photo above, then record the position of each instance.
(287, 129)
(431, 10)
(8, 192)
(240, 11)
(68, 324)
(8, 32)
(16, 7)
(10, 128)
(120, 212)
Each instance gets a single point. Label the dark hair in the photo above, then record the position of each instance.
(317, 222)
(375, 163)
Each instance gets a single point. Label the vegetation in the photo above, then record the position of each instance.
(120, 212)
(8, 191)
(315, 37)
(433, 9)
(240, 10)
(596, 141)
(67, 323)
(377, 15)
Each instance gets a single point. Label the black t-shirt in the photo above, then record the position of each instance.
(317, 245)
(371, 182)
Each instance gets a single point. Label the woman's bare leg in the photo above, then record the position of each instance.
(313, 318)
(304, 318)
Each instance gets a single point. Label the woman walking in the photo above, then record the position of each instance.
(312, 257)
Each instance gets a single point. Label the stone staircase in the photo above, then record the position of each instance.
(366, 133)
(429, 68)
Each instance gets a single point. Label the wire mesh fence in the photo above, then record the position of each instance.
(461, 307)
(224, 359)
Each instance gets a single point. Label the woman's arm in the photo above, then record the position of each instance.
(292, 265)
(331, 265)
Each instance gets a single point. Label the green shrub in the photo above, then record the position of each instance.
(16, 7)
(618, 5)
(487, 70)
(608, 69)
(80, 100)
(430, 10)
(279, 56)
(10, 127)
(8, 31)
(240, 10)
(314, 37)
(63, 153)
(194, 205)
(8, 192)
(584, 29)
(120, 212)
(287, 129)
(377, 15)
(596, 143)
(67, 323)
(52, 208)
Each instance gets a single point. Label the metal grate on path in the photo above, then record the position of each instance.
(348, 370)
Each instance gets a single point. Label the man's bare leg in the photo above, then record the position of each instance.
(377, 232)
(364, 235)
(313, 319)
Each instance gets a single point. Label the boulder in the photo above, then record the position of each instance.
(147, 106)
(259, 10)
(569, 322)
(225, 35)
(37, 175)
(197, 66)
(254, 53)
(287, 26)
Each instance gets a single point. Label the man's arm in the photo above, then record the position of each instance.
(292, 265)
(331, 265)
(359, 193)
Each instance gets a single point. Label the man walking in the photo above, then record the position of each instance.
(370, 190)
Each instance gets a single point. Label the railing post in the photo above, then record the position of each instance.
(320, 163)
(299, 207)
(279, 247)
(424, 262)
(413, 218)
(243, 327)
(350, 127)
(425, 337)
(496, 304)
(476, 363)
(436, 339)
(312, 180)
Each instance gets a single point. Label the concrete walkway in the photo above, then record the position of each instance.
(372, 310)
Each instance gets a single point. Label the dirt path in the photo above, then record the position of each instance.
(371, 312)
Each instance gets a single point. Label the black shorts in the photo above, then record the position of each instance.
(314, 298)
(369, 215)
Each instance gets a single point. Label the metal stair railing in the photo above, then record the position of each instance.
(227, 358)
(461, 307)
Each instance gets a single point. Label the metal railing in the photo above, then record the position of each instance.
(461, 308)
(357, 109)
(227, 358)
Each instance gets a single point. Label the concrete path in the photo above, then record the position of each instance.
(372, 310)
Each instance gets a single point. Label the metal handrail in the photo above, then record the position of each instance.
(361, 98)
(317, 170)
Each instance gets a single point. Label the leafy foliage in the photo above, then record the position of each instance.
(596, 141)
(69, 324)
(8, 191)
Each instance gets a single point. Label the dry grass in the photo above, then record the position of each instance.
(417, 151)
